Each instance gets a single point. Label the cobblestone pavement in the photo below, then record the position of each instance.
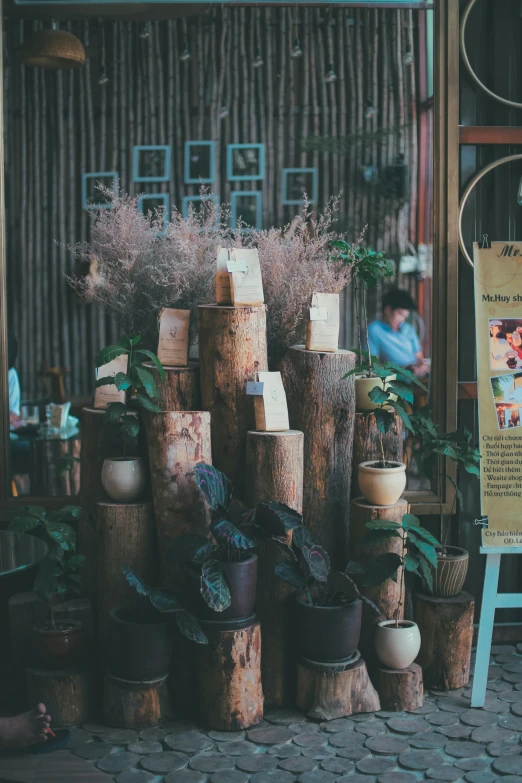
(445, 740)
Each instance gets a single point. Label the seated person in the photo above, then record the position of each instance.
(394, 340)
(14, 384)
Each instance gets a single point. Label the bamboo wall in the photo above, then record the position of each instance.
(61, 124)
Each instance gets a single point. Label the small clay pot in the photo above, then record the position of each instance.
(140, 643)
(328, 633)
(60, 647)
(381, 486)
(124, 479)
(241, 578)
(451, 571)
(396, 647)
(363, 387)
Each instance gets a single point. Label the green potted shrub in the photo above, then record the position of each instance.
(124, 478)
(452, 564)
(57, 644)
(328, 604)
(141, 637)
(397, 641)
(368, 268)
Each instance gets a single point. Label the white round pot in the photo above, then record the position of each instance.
(124, 479)
(397, 647)
(381, 486)
(363, 387)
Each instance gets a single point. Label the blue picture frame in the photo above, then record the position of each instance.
(187, 199)
(98, 175)
(312, 198)
(231, 148)
(212, 165)
(165, 198)
(165, 148)
(255, 194)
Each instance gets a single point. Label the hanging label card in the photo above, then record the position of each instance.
(254, 388)
(271, 409)
(247, 287)
(322, 334)
(223, 295)
(108, 393)
(498, 316)
(237, 266)
(173, 341)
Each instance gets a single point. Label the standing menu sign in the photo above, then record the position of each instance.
(498, 314)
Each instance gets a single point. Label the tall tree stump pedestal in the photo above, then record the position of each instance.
(229, 667)
(274, 468)
(69, 694)
(327, 691)
(135, 705)
(446, 629)
(400, 689)
(180, 389)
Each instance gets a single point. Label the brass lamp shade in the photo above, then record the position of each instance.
(56, 50)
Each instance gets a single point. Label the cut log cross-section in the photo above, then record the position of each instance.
(231, 695)
(366, 444)
(232, 348)
(180, 389)
(446, 629)
(322, 404)
(327, 691)
(69, 695)
(400, 690)
(135, 705)
(274, 468)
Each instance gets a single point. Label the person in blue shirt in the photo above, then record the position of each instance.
(394, 340)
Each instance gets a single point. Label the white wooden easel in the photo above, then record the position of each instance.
(491, 600)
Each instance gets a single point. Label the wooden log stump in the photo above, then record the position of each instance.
(446, 629)
(135, 705)
(125, 534)
(322, 405)
(329, 691)
(366, 444)
(400, 689)
(180, 389)
(177, 441)
(274, 468)
(183, 680)
(231, 695)
(68, 694)
(232, 345)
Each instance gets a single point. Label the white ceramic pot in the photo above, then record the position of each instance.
(124, 479)
(363, 387)
(397, 647)
(381, 486)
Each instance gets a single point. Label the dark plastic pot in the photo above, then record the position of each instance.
(242, 581)
(328, 633)
(140, 643)
(60, 647)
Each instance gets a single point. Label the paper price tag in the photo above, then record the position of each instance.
(237, 266)
(318, 314)
(255, 388)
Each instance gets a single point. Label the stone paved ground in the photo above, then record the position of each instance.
(445, 740)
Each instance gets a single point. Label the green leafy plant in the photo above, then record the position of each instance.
(418, 553)
(138, 383)
(58, 571)
(235, 529)
(308, 570)
(431, 451)
(165, 601)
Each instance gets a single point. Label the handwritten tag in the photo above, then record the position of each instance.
(237, 266)
(255, 388)
(318, 314)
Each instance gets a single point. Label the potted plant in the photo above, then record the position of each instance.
(141, 637)
(328, 604)
(382, 482)
(397, 641)
(368, 267)
(450, 572)
(124, 478)
(57, 644)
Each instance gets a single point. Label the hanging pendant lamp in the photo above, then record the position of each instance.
(54, 49)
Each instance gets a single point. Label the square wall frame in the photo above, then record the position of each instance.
(165, 177)
(258, 197)
(231, 148)
(212, 163)
(164, 197)
(96, 175)
(312, 198)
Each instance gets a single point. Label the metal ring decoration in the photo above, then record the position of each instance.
(467, 63)
(467, 192)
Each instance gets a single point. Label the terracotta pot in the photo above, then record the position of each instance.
(124, 479)
(61, 647)
(241, 577)
(363, 386)
(382, 486)
(397, 647)
(451, 571)
(140, 643)
(328, 633)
